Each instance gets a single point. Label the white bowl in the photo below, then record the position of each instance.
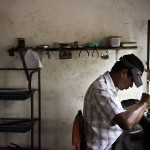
(115, 41)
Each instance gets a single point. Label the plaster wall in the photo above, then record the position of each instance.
(64, 82)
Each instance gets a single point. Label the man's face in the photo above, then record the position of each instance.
(125, 81)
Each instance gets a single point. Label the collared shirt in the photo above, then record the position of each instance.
(100, 107)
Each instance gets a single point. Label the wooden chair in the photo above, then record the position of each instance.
(78, 137)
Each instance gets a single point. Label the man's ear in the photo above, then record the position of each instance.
(124, 73)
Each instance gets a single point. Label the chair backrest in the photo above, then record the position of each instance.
(78, 137)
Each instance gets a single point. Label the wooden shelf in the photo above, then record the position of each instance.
(12, 50)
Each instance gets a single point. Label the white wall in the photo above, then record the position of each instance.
(64, 82)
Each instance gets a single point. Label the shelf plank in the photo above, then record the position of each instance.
(15, 93)
(12, 50)
(19, 125)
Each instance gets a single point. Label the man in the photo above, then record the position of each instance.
(104, 117)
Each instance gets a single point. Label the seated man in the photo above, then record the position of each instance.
(104, 118)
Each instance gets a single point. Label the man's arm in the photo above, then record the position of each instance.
(126, 120)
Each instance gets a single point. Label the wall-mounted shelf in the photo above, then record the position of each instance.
(65, 52)
(13, 50)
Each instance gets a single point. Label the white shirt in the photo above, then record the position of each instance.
(100, 107)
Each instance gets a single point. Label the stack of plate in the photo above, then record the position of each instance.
(129, 44)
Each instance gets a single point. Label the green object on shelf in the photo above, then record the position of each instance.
(93, 44)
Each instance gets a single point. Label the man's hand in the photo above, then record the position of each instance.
(126, 120)
(145, 98)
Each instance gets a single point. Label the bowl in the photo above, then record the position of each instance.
(115, 41)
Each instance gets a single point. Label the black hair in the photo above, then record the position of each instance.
(119, 65)
(134, 60)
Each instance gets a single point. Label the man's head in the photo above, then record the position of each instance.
(128, 69)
